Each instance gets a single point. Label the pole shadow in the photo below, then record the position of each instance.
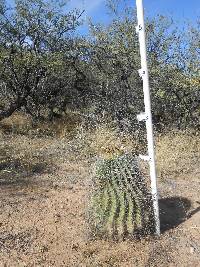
(174, 211)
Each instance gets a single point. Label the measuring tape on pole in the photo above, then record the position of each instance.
(146, 116)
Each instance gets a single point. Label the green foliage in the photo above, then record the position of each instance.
(173, 72)
(173, 57)
(44, 65)
(114, 56)
(37, 50)
(121, 205)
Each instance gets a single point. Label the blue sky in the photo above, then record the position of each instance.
(181, 10)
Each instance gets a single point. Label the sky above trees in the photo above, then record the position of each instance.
(180, 10)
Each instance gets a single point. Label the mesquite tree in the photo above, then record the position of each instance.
(45, 65)
(37, 50)
(173, 58)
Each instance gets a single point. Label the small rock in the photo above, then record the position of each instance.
(191, 250)
(70, 187)
(75, 246)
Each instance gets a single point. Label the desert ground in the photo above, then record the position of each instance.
(44, 188)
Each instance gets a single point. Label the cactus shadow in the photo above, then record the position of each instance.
(174, 211)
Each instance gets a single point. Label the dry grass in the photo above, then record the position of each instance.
(22, 157)
(27, 145)
(54, 216)
(63, 127)
(177, 154)
(33, 147)
(20, 123)
(104, 141)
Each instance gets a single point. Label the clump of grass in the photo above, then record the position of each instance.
(178, 154)
(63, 126)
(104, 141)
(21, 157)
(18, 123)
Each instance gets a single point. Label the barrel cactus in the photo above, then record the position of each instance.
(121, 205)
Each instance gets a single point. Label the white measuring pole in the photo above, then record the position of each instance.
(146, 116)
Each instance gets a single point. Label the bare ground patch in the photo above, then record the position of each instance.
(43, 222)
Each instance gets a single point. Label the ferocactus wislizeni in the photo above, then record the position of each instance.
(121, 205)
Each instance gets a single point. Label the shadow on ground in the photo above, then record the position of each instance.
(19, 170)
(174, 211)
(20, 176)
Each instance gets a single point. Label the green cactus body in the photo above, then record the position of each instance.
(121, 205)
(125, 218)
(129, 221)
(133, 197)
(105, 200)
(120, 212)
(111, 213)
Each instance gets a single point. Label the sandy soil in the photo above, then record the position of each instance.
(42, 223)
